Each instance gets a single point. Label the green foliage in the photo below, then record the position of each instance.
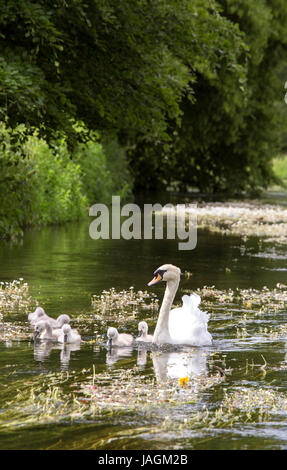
(189, 89)
(121, 181)
(57, 193)
(42, 184)
(104, 170)
(38, 184)
(231, 132)
(280, 169)
(112, 63)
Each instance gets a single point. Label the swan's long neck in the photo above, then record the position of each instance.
(161, 333)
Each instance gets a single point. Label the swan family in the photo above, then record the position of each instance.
(185, 325)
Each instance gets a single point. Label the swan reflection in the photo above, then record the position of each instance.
(177, 364)
(42, 351)
(65, 355)
(115, 354)
(142, 357)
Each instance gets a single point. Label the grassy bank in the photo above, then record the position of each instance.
(44, 183)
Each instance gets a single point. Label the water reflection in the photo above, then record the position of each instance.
(142, 357)
(42, 351)
(115, 354)
(174, 365)
(65, 355)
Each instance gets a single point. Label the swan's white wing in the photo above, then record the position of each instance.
(191, 301)
(188, 324)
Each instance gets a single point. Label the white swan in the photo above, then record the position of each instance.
(183, 325)
(68, 335)
(143, 333)
(118, 339)
(44, 330)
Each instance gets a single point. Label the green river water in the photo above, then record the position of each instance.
(64, 267)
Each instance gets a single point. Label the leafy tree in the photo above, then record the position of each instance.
(189, 87)
(107, 62)
(231, 131)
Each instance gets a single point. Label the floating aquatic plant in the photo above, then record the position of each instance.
(14, 331)
(242, 219)
(252, 301)
(47, 398)
(238, 407)
(128, 390)
(15, 296)
(111, 301)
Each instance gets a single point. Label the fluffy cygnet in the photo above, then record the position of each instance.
(68, 335)
(143, 333)
(39, 314)
(118, 339)
(44, 330)
(60, 321)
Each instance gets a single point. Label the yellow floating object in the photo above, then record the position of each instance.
(183, 381)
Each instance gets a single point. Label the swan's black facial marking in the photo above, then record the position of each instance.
(160, 272)
(158, 275)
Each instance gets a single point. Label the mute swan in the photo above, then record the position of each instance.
(43, 330)
(118, 339)
(183, 325)
(143, 330)
(67, 335)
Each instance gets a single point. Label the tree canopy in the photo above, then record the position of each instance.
(189, 87)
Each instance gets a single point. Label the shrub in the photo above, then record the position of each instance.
(104, 170)
(38, 184)
(43, 183)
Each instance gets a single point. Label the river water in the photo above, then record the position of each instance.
(64, 267)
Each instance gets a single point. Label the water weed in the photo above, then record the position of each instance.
(243, 219)
(14, 296)
(125, 301)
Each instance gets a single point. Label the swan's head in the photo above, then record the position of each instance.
(66, 329)
(39, 327)
(143, 328)
(166, 272)
(62, 320)
(112, 333)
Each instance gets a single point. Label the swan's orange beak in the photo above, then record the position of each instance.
(155, 280)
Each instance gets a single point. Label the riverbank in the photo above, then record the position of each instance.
(44, 183)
